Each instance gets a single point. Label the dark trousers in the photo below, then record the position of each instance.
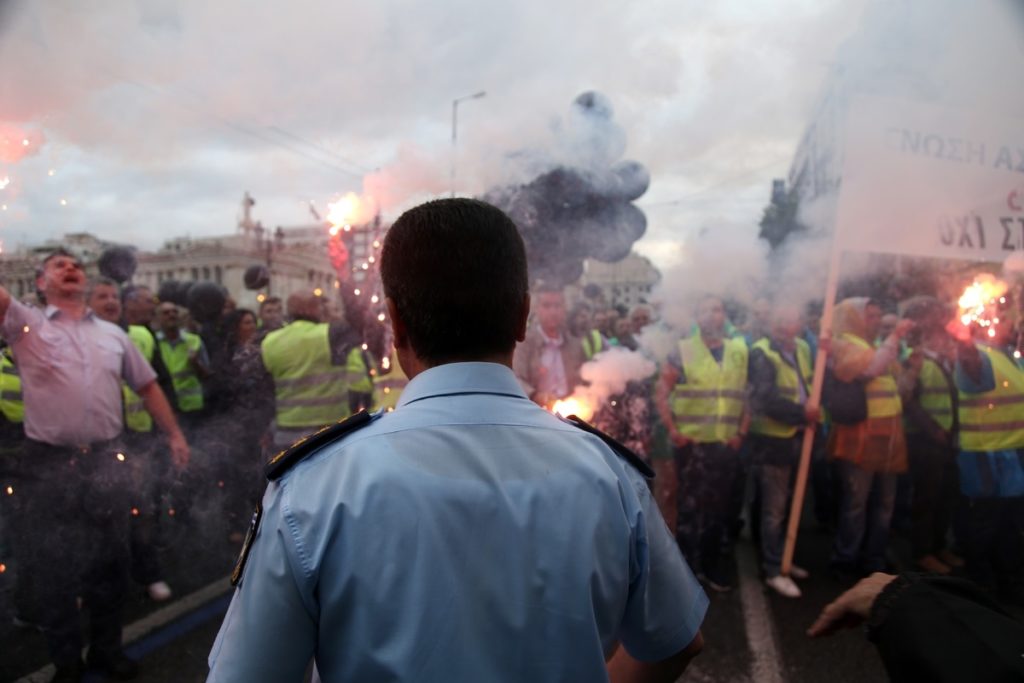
(824, 483)
(75, 512)
(148, 471)
(995, 557)
(706, 474)
(936, 487)
(13, 531)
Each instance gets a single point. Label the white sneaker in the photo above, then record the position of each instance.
(798, 573)
(159, 591)
(783, 585)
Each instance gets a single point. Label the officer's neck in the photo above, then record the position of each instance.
(413, 365)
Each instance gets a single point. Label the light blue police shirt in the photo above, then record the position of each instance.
(467, 536)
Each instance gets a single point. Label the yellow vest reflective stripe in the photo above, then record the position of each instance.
(994, 420)
(11, 403)
(187, 387)
(135, 416)
(787, 385)
(387, 388)
(592, 344)
(709, 405)
(882, 392)
(309, 390)
(935, 399)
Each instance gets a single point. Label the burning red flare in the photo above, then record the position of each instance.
(979, 307)
(572, 406)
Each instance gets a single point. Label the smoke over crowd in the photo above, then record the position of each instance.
(581, 208)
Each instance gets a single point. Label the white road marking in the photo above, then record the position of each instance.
(766, 661)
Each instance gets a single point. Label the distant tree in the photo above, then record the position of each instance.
(780, 218)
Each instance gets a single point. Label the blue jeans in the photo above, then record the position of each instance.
(867, 502)
(775, 483)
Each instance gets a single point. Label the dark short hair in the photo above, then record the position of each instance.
(456, 272)
(269, 301)
(59, 251)
(132, 292)
(104, 281)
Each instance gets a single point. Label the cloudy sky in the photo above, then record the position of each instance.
(154, 116)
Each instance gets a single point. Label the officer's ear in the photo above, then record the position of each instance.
(524, 316)
(398, 330)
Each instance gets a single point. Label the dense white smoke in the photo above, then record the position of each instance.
(608, 373)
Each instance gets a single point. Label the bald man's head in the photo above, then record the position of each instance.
(305, 305)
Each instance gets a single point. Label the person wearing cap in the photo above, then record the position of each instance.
(74, 474)
(447, 540)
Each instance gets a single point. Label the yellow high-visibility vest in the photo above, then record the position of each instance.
(11, 403)
(136, 418)
(309, 390)
(935, 397)
(592, 344)
(994, 420)
(187, 387)
(787, 383)
(882, 392)
(709, 405)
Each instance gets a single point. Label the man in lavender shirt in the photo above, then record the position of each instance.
(548, 361)
(73, 474)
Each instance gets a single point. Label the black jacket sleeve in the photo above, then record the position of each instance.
(932, 628)
(764, 396)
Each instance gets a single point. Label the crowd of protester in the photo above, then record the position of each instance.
(127, 423)
(920, 429)
(919, 426)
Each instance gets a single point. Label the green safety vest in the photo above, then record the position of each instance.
(994, 420)
(387, 388)
(11, 404)
(136, 418)
(187, 387)
(935, 397)
(787, 383)
(592, 344)
(309, 390)
(709, 406)
(882, 393)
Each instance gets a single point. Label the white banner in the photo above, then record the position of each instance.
(927, 181)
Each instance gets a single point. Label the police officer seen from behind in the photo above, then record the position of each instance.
(469, 535)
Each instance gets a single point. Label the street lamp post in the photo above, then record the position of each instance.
(455, 124)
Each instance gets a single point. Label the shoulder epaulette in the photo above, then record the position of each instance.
(289, 457)
(622, 451)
